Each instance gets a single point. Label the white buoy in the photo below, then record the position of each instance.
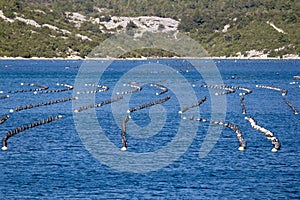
(274, 150)
(11, 110)
(1, 92)
(241, 148)
(35, 92)
(123, 149)
(4, 148)
(22, 83)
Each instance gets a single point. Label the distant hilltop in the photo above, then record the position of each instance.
(225, 28)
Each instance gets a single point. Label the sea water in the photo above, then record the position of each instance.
(57, 161)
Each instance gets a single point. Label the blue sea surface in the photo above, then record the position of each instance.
(53, 161)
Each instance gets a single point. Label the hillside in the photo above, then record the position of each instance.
(50, 28)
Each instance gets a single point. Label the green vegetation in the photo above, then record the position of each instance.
(202, 20)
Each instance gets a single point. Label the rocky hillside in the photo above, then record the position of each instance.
(49, 28)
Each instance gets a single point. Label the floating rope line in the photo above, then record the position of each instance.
(30, 106)
(193, 105)
(283, 91)
(123, 135)
(148, 104)
(101, 88)
(243, 105)
(270, 136)
(247, 90)
(82, 108)
(291, 106)
(4, 97)
(3, 119)
(233, 127)
(127, 118)
(137, 89)
(67, 88)
(229, 89)
(162, 88)
(28, 126)
(40, 88)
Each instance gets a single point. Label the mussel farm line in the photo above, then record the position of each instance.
(233, 127)
(82, 108)
(228, 89)
(243, 105)
(136, 89)
(161, 87)
(126, 119)
(292, 107)
(67, 87)
(192, 105)
(30, 106)
(100, 88)
(3, 119)
(283, 91)
(40, 88)
(26, 127)
(270, 136)
(4, 97)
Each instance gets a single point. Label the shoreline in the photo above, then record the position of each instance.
(151, 58)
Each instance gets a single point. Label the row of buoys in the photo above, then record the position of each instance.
(40, 88)
(29, 126)
(292, 107)
(4, 97)
(228, 89)
(82, 108)
(123, 135)
(243, 104)
(283, 91)
(201, 101)
(132, 85)
(67, 88)
(126, 119)
(270, 136)
(161, 87)
(3, 119)
(233, 127)
(239, 135)
(247, 90)
(102, 88)
(148, 104)
(30, 106)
